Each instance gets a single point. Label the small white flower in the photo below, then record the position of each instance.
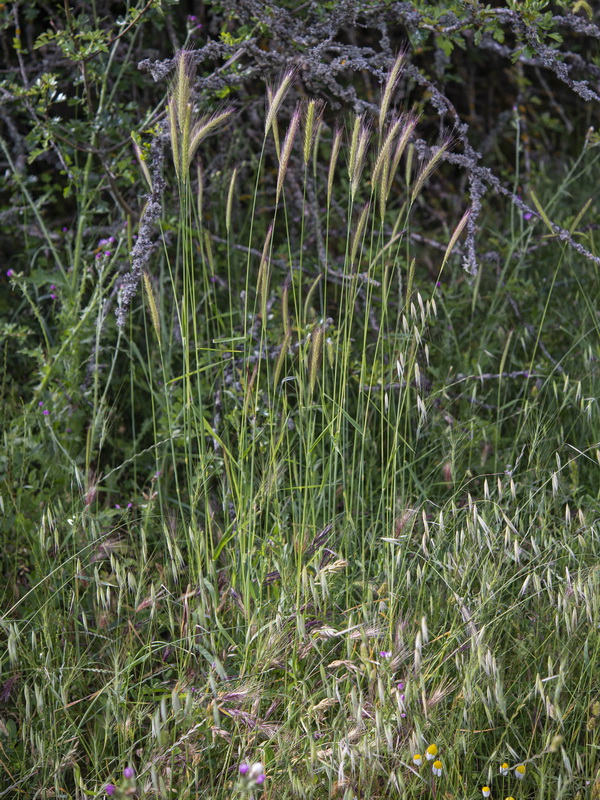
(437, 768)
(504, 770)
(520, 771)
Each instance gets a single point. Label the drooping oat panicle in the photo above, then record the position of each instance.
(286, 149)
(429, 167)
(312, 122)
(335, 151)
(277, 97)
(390, 87)
(230, 200)
(360, 229)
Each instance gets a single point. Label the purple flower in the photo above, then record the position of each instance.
(107, 253)
(244, 768)
(53, 296)
(41, 403)
(65, 229)
(118, 506)
(45, 412)
(10, 273)
(527, 216)
(128, 772)
(400, 686)
(52, 287)
(192, 18)
(402, 697)
(110, 788)
(403, 715)
(260, 778)
(385, 653)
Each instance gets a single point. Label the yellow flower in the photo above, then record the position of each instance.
(437, 768)
(520, 771)
(486, 791)
(417, 758)
(431, 752)
(504, 769)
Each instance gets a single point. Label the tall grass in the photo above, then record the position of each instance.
(363, 517)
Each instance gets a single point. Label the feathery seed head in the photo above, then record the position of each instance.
(314, 112)
(286, 150)
(276, 98)
(358, 155)
(428, 168)
(186, 131)
(390, 87)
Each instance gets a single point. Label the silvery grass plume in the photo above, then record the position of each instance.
(188, 130)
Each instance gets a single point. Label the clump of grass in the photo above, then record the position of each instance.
(352, 542)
